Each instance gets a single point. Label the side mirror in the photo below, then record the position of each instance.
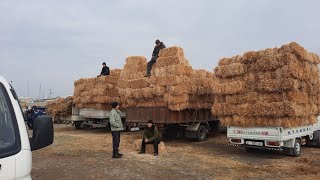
(42, 132)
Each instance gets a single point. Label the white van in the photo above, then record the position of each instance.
(15, 145)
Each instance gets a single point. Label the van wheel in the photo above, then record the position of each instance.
(296, 150)
(202, 133)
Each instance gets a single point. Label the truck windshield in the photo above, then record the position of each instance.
(9, 133)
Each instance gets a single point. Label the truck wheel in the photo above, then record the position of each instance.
(296, 150)
(202, 133)
(77, 125)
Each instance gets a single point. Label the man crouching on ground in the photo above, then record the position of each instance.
(151, 136)
(116, 127)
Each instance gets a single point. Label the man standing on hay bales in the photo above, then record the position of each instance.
(151, 136)
(105, 70)
(155, 55)
(116, 127)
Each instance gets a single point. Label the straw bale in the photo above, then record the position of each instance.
(235, 69)
(172, 99)
(149, 147)
(250, 57)
(281, 109)
(158, 90)
(276, 85)
(146, 92)
(179, 70)
(136, 60)
(272, 62)
(300, 52)
(171, 51)
(224, 109)
(171, 60)
(178, 90)
(115, 72)
(250, 97)
(235, 87)
(138, 83)
(89, 86)
(200, 73)
(86, 99)
(170, 80)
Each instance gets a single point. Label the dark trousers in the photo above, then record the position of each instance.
(150, 64)
(155, 143)
(29, 123)
(115, 142)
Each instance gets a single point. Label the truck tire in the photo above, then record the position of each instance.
(77, 125)
(171, 132)
(296, 150)
(202, 133)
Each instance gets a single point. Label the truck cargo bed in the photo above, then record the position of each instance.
(166, 116)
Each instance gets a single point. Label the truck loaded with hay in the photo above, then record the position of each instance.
(270, 99)
(92, 99)
(176, 97)
(60, 109)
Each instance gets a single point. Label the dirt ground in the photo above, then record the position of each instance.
(86, 154)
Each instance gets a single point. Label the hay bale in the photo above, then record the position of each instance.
(235, 69)
(171, 51)
(171, 83)
(271, 87)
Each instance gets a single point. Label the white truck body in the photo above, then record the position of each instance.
(273, 138)
(91, 118)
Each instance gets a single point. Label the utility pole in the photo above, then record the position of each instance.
(50, 93)
(28, 89)
(40, 92)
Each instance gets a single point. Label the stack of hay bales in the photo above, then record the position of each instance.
(60, 108)
(272, 87)
(98, 92)
(171, 83)
(200, 95)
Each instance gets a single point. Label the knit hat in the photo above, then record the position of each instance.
(157, 41)
(114, 104)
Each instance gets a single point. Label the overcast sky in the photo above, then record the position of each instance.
(53, 43)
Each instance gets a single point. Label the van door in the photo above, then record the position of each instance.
(10, 142)
(7, 167)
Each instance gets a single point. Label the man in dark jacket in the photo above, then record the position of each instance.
(155, 55)
(105, 70)
(151, 136)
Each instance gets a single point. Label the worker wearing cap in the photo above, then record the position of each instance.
(155, 55)
(116, 127)
(105, 70)
(151, 136)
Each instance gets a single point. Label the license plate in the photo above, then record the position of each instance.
(135, 129)
(254, 143)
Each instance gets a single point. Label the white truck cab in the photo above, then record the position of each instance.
(15, 144)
